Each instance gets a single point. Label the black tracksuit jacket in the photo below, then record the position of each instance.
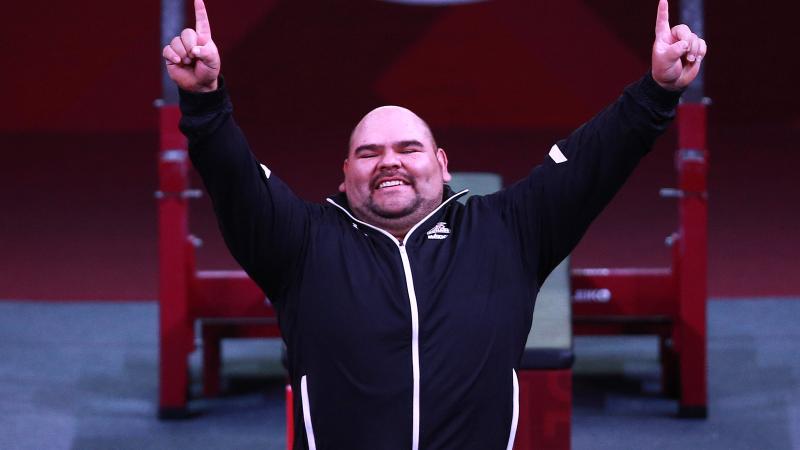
(414, 344)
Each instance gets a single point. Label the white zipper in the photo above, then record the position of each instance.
(412, 299)
(312, 444)
(514, 411)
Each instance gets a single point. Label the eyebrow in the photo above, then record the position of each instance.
(376, 147)
(411, 143)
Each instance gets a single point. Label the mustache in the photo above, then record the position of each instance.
(392, 174)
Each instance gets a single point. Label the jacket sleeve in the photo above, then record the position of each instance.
(552, 208)
(264, 224)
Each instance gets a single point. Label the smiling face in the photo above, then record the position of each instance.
(394, 174)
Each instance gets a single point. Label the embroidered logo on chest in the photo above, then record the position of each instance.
(439, 231)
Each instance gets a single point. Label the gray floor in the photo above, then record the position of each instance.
(83, 376)
(754, 386)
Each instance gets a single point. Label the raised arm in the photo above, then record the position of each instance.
(264, 224)
(553, 207)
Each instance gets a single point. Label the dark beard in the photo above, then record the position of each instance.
(375, 209)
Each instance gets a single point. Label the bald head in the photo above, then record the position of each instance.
(389, 118)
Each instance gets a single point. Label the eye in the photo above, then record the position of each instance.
(367, 155)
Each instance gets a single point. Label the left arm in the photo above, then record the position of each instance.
(552, 207)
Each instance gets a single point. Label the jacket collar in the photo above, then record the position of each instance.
(448, 196)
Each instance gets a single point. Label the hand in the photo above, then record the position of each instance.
(192, 58)
(677, 52)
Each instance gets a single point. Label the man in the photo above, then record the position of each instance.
(405, 313)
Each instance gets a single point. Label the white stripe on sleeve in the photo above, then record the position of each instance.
(266, 170)
(556, 154)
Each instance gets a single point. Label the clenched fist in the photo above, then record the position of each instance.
(192, 58)
(677, 52)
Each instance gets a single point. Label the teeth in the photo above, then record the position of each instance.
(389, 184)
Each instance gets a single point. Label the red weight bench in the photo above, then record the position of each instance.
(668, 302)
(226, 304)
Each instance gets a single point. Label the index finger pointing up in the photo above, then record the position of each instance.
(202, 27)
(662, 20)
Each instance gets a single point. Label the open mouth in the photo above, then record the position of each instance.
(390, 182)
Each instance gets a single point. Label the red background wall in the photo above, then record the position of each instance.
(498, 82)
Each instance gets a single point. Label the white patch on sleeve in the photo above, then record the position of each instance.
(555, 153)
(266, 170)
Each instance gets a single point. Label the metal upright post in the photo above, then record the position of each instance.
(176, 335)
(691, 161)
(172, 22)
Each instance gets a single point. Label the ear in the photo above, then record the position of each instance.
(344, 172)
(441, 156)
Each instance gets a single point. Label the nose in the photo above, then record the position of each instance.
(389, 160)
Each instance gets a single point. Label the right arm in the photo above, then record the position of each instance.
(263, 223)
